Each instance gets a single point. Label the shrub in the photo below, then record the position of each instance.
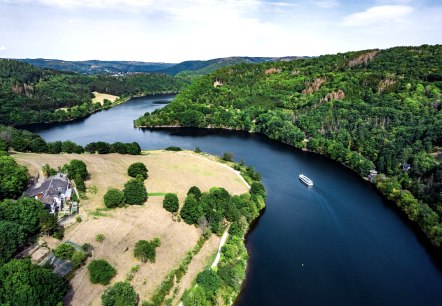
(77, 258)
(99, 238)
(195, 191)
(133, 148)
(113, 198)
(103, 147)
(210, 281)
(76, 168)
(135, 192)
(120, 294)
(170, 202)
(137, 169)
(48, 171)
(64, 251)
(173, 148)
(79, 183)
(197, 150)
(196, 296)
(100, 271)
(87, 248)
(258, 189)
(58, 233)
(146, 250)
(191, 210)
(227, 156)
(54, 147)
(118, 147)
(91, 148)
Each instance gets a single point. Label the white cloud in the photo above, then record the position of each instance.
(378, 15)
(172, 31)
(2, 48)
(326, 3)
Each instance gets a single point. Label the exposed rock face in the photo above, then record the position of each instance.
(17, 89)
(272, 70)
(335, 95)
(28, 90)
(363, 58)
(385, 83)
(311, 87)
(217, 83)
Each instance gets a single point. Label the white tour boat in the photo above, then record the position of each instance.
(305, 180)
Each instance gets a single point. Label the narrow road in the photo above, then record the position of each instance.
(218, 254)
(221, 244)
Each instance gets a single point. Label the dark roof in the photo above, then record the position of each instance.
(52, 187)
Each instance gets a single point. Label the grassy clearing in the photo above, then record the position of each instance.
(99, 97)
(159, 194)
(175, 172)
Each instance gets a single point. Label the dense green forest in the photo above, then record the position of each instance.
(373, 109)
(29, 94)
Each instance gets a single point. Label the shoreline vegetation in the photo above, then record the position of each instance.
(362, 109)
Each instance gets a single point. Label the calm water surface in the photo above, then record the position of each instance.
(336, 243)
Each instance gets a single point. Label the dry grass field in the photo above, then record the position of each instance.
(122, 227)
(99, 97)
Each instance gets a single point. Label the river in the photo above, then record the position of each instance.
(336, 243)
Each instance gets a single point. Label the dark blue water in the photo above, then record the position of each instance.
(336, 243)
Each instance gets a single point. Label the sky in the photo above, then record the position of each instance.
(177, 30)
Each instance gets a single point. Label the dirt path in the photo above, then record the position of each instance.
(35, 170)
(221, 244)
(189, 277)
(197, 265)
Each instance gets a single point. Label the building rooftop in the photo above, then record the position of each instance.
(52, 187)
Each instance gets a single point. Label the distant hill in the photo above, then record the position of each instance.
(206, 67)
(96, 66)
(115, 67)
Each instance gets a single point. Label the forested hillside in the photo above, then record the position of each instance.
(29, 94)
(373, 109)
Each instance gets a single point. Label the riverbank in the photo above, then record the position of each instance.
(397, 196)
(221, 282)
